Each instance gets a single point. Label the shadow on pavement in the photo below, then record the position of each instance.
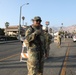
(12, 64)
(71, 59)
(17, 64)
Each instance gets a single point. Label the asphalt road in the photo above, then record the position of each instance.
(62, 61)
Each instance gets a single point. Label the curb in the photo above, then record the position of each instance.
(9, 41)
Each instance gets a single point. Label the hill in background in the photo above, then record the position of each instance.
(70, 29)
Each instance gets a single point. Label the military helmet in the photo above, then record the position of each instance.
(37, 18)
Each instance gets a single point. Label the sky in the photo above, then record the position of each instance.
(54, 11)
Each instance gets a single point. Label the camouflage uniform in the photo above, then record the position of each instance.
(35, 62)
(59, 39)
(48, 38)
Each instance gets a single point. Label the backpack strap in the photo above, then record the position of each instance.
(32, 28)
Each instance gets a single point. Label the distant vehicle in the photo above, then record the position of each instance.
(69, 36)
(2, 39)
(55, 38)
(74, 38)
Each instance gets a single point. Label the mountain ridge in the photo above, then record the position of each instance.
(71, 28)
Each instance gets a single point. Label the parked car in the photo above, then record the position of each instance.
(2, 39)
(74, 38)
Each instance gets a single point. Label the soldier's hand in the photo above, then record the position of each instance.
(37, 32)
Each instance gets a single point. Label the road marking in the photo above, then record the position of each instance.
(9, 57)
(63, 71)
(7, 51)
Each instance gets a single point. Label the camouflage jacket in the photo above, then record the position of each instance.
(48, 38)
(35, 42)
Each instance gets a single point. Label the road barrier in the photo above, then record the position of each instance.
(23, 56)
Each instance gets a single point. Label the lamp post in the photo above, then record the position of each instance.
(62, 26)
(23, 18)
(47, 23)
(20, 17)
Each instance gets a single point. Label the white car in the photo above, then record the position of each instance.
(74, 38)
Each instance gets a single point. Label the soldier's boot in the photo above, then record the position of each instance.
(47, 53)
(59, 46)
(40, 74)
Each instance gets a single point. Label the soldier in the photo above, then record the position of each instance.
(36, 50)
(59, 39)
(48, 38)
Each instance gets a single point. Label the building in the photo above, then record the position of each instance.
(14, 30)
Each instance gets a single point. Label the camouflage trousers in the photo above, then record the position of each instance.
(35, 63)
(48, 49)
(59, 42)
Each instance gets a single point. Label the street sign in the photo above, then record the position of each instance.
(47, 22)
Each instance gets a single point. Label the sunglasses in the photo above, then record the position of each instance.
(38, 20)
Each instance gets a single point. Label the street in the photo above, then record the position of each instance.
(62, 61)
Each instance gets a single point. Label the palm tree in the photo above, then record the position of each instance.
(6, 25)
(23, 18)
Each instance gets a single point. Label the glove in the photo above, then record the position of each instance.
(37, 32)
